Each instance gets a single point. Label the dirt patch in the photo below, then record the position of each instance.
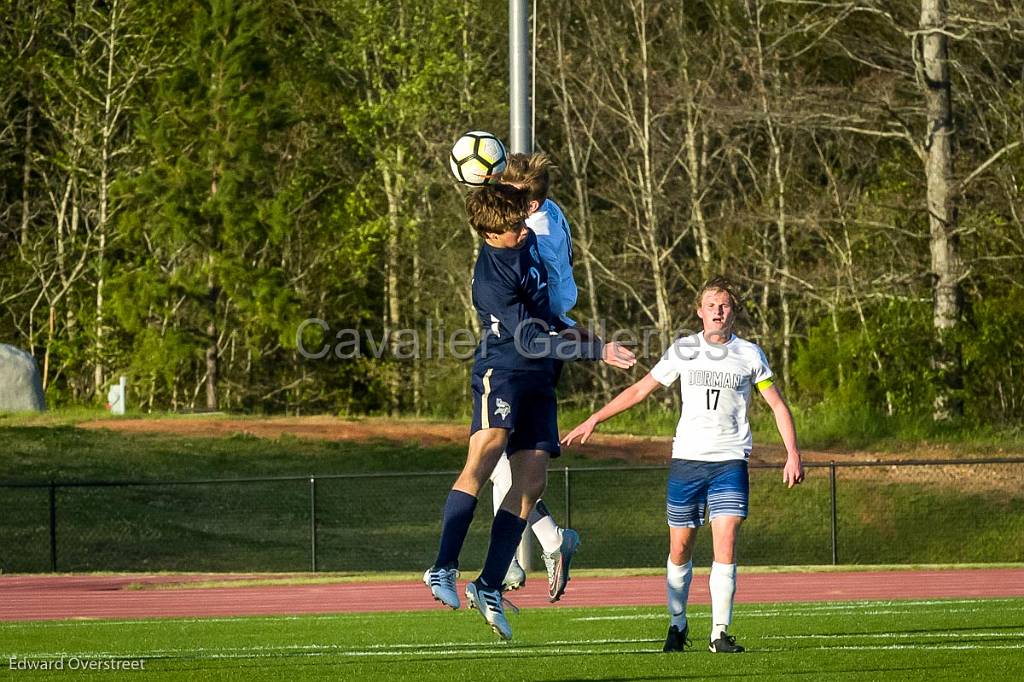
(635, 449)
(316, 428)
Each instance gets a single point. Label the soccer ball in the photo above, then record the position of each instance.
(475, 157)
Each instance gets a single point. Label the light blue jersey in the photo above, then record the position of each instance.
(554, 241)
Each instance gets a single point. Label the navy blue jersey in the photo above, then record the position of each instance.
(511, 298)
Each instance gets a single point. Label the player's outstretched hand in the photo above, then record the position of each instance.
(793, 472)
(582, 432)
(617, 355)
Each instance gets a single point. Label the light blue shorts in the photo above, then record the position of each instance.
(723, 486)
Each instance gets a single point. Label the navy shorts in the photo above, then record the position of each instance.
(523, 402)
(723, 486)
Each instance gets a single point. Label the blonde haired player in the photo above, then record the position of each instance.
(717, 372)
(532, 173)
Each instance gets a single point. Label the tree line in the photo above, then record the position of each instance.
(186, 184)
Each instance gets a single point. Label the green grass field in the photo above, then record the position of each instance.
(891, 640)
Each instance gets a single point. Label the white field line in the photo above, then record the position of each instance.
(368, 649)
(501, 650)
(456, 649)
(863, 608)
(879, 612)
(775, 614)
(915, 647)
(99, 621)
(513, 651)
(859, 605)
(900, 635)
(809, 609)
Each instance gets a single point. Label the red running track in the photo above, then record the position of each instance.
(63, 597)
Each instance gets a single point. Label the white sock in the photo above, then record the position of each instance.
(546, 530)
(723, 587)
(501, 478)
(679, 578)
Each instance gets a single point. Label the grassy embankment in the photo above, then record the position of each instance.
(968, 513)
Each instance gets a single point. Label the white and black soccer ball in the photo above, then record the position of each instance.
(476, 157)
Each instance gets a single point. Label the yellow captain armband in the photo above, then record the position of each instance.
(765, 383)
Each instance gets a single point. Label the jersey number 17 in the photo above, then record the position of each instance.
(717, 392)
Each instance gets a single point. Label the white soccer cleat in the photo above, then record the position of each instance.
(558, 563)
(441, 582)
(515, 577)
(489, 603)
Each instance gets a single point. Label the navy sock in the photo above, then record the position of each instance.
(458, 514)
(506, 531)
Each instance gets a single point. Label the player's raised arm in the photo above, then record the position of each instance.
(793, 472)
(620, 403)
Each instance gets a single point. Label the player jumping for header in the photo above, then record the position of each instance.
(531, 172)
(717, 372)
(513, 396)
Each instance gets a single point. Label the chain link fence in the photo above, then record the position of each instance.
(850, 513)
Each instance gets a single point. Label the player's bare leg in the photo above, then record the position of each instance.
(485, 449)
(529, 479)
(722, 582)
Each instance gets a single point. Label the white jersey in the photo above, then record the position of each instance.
(715, 384)
(555, 245)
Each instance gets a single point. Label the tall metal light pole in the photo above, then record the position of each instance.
(520, 120)
(520, 129)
